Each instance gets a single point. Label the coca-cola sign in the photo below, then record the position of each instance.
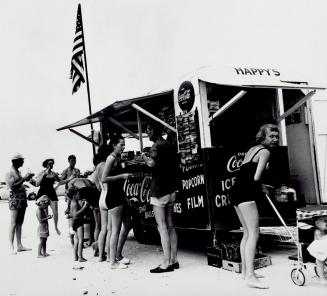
(145, 189)
(186, 96)
(234, 162)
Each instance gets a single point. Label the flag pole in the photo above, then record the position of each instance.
(87, 80)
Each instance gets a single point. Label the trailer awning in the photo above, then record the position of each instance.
(120, 110)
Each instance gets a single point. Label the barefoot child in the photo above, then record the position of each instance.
(318, 248)
(78, 209)
(43, 230)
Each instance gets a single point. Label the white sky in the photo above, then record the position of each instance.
(133, 47)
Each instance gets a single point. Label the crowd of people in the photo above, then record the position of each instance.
(100, 201)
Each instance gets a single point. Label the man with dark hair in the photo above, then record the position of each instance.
(162, 160)
(67, 175)
(71, 172)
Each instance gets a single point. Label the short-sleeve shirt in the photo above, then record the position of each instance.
(164, 172)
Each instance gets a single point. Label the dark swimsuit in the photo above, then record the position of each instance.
(115, 195)
(46, 188)
(245, 188)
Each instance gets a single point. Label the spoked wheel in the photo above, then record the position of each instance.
(298, 277)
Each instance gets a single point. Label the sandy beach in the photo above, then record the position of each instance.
(24, 274)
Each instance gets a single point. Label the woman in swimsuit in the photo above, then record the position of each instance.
(46, 180)
(248, 189)
(112, 202)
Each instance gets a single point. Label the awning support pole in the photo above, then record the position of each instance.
(84, 137)
(138, 108)
(229, 104)
(282, 125)
(139, 127)
(121, 126)
(296, 106)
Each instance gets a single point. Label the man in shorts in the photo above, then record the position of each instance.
(162, 160)
(17, 202)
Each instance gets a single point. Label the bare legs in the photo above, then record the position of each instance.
(103, 234)
(97, 219)
(78, 244)
(126, 227)
(167, 233)
(249, 218)
(115, 215)
(54, 208)
(42, 248)
(321, 271)
(16, 222)
(172, 234)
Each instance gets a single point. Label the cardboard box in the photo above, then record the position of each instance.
(259, 262)
(214, 256)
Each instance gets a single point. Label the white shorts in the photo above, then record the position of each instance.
(163, 201)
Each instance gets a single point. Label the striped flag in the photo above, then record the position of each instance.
(77, 67)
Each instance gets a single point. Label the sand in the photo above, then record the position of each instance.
(25, 274)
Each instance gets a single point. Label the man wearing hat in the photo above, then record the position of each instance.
(17, 201)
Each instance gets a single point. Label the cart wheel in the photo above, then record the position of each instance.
(298, 277)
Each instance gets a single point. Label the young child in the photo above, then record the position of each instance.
(318, 248)
(78, 209)
(43, 229)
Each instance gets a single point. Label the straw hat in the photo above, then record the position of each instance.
(17, 156)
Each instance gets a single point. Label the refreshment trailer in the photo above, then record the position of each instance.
(215, 114)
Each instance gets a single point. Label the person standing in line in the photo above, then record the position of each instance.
(46, 180)
(112, 202)
(162, 159)
(103, 247)
(68, 174)
(80, 212)
(87, 191)
(248, 189)
(17, 202)
(43, 229)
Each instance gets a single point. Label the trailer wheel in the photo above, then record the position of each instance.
(298, 277)
(142, 233)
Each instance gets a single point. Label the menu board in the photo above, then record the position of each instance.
(167, 114)
(188, 137)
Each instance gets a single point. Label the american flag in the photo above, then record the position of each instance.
(77, 67)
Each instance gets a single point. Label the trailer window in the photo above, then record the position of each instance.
(237, 126)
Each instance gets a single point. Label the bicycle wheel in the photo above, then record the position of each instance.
(297, 277)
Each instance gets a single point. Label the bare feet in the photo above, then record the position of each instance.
(12, 251)
(255, 283)
(257, 275)
(95, 248)
(40, 256)
(117, 265)
(81, 259)
(23, 249)
(102, 258)
(46, 254)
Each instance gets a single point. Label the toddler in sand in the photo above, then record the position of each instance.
(318, 248)
(43, 229)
